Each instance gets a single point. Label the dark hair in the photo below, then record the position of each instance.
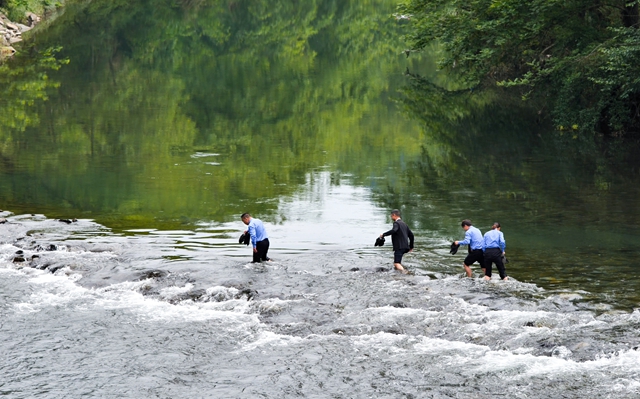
(395, 212)
(245, 215)
(496, 225)
(465, 222)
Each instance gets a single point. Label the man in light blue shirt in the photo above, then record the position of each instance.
(472, 238)
(259, 237)
(494, 247)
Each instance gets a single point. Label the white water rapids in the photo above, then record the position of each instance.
(159, 314)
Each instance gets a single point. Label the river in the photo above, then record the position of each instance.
(162, 122)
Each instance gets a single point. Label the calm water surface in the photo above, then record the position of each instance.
(172, 119)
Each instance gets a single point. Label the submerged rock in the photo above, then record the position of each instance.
(55, 268)
(150, 274)
(193, 295)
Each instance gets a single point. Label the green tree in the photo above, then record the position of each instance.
(581, 58)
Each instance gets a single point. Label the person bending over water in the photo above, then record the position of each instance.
(259, 237)
(472, 238)
(401, 238)
(494, 248)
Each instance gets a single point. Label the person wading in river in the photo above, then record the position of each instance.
(494, 247)
(401, 238)
(472, 238)
(259, 237)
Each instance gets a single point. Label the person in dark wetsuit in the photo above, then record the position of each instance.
(473, 238)
(401, 238)
(494, 247)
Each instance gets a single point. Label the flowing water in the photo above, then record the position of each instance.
(171, 119)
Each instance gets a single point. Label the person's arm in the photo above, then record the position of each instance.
(503, 243)
(393, 230)
(411, 238)
(252, 233)
(467, 239)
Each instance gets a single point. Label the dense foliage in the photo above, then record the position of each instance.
(16, 9)
(578, 59)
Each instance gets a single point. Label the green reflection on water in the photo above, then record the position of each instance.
(274, 89)
(171, 113)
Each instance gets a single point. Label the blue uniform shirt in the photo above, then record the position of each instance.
(494, 239)
(473, 238)
(257, 231)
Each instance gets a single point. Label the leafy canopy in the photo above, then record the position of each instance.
(581, 58)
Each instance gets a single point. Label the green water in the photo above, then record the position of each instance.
(171, 114)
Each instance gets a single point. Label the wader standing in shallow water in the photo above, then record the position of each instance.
(494, 248)
(472, 238)
(259, 237)
(401, 238)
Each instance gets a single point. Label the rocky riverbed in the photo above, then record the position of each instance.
(11, 33)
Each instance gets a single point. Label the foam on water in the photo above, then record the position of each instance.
(271, 339)
(305, 309)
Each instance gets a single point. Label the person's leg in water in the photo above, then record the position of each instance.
(262, 248)
(488, 264)
(494, 255)
(501, 268)
(473, 257)
(397, 259)
(467, 269)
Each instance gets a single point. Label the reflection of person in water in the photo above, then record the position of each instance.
(259, 237)
(473, 238)
(401, 238)
(494, 248)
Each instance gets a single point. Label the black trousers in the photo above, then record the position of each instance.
(494, 255)
(262, 247)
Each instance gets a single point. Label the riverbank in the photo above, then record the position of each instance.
(11, 33)
(15, 21)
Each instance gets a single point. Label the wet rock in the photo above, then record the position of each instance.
(151, 274)
(3, 220)
(381, 269)
(55, 268)
(50, 247)
(580, 346)
(18, 259)
(68, 221)
(34, 257)
(193, 295)
(6, 50)
(23, 28)
(529, 324)
(398, 305)
(355, 269)
(248, 292)
(32, 19)
(41, 266)
(11, 26)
